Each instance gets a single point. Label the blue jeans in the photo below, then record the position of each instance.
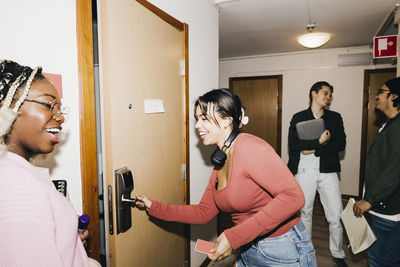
(386, 250)
(293, 248)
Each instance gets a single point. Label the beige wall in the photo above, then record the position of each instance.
(300, 71)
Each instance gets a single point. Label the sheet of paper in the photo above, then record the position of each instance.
(153, 105)
(203, 246)
(358, 231)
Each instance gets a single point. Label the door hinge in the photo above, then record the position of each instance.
(184, 171)
(182, 69)
(368, 106)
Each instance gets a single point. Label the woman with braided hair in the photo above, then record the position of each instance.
(38, 225)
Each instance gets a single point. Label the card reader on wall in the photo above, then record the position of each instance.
(123, 187)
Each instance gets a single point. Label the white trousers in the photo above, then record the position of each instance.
(327, 185)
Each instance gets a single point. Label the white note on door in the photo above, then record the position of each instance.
(153, 105)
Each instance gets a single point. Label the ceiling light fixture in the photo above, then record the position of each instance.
(313, 39)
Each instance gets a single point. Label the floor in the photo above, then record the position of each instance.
(320, 239)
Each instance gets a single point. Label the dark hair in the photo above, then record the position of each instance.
(226, 103)
(13, 73)
(318, 86)
(394, 87)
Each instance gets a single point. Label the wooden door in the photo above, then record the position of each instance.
(372, 119)
(261, 97)
(140, 60)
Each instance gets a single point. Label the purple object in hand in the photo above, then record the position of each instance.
(83, 222)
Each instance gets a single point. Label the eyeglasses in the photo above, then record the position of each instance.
(380, 91)
(56, 110)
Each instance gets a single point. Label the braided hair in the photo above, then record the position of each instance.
(12, 78)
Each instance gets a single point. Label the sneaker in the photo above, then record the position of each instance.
(339, 262)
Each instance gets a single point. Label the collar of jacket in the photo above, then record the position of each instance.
(310, 114)
(389, 121)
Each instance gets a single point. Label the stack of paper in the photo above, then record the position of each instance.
(358, 231)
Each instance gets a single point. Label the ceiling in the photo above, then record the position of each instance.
(256, 27)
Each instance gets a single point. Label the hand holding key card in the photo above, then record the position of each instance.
(203, 246)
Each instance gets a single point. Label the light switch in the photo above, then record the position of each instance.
(153, 105)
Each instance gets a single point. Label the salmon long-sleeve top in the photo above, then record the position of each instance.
(262, 196)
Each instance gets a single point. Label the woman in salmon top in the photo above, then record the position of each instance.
(252, 184)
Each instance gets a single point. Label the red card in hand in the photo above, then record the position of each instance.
(203, 246)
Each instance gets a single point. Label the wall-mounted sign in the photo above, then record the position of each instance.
(385, 46)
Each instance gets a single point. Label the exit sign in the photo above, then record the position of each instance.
(385, 46)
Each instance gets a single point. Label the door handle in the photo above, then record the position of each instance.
(130, 200)
(124, 186)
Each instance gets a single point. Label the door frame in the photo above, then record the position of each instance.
(87, 126)
(279, 98)
(364, 127)
(88, 151)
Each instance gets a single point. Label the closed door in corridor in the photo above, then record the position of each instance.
(262, 98)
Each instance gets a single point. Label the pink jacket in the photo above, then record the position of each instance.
(38, 225)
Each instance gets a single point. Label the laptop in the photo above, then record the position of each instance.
(311, 129)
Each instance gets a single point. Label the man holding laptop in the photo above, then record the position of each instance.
(316, 136)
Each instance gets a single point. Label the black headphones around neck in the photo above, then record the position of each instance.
(218, 158)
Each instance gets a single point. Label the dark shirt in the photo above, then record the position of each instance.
(382, 171)
(328, 152)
